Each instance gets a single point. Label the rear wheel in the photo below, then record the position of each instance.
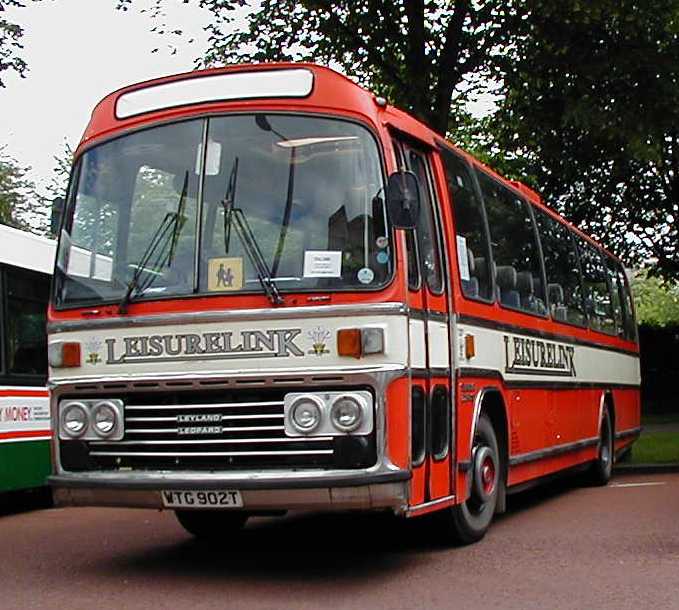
(468, 522)
(211, 524)
(601, 470)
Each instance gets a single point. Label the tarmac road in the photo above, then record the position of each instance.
(559, 547)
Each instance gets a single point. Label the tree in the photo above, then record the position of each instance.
(420, 54)
(10, 41)
(16, 192)
(657, 302)
(590, 118)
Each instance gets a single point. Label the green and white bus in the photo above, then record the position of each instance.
(26, 263)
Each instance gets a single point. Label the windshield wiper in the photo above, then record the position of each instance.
(171, 227)
(235, 216)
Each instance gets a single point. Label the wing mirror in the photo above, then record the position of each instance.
(57, 213)
(403, 199)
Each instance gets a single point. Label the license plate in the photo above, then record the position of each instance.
(214, 498)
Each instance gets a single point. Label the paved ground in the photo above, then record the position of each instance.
(562, 547)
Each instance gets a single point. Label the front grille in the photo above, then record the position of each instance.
(238, 429)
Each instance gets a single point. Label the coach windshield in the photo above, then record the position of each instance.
(231, 204)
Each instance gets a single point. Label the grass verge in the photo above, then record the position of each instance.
(656, 448)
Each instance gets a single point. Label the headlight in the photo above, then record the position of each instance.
(74, 419)
(92, 419)
(346, 414)
(328, 414)
(305, 414)
(104, 418)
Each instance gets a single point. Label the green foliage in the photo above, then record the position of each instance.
(10, 41)
(656, 301)
(590, 119)
(421, 54)
(16, 191)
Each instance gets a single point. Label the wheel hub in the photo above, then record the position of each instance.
(485, 474)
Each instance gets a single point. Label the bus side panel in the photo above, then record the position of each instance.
(627, 404)
(24, 464)
(25, 459)
(398, 422)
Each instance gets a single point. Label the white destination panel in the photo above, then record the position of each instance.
(296, 82)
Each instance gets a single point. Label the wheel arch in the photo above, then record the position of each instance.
(491, 402)
(607, 402)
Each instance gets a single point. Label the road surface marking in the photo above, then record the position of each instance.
(646, 484)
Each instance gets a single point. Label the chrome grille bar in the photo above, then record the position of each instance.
(209, 453)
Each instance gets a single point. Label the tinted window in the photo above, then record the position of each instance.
(617, 295)
(597, 296)
(471, 238)
(563, 273)
(628, 306)
(518, 272)
(24, 324)
(426, 228)
(411, 245)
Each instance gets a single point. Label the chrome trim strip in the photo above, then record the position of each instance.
(209, 453)
(261, 479)
(224, 418)
(532, 456)
(629, 432)
(176, 430)
(216, 405)
(231, 315)
(424, 505)
(215, 441)
(184, 381)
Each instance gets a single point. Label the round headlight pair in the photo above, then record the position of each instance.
(76, 418)
(345, 414)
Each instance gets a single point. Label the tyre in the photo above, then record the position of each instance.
(211, 524)
(468, 522)
(601, 469)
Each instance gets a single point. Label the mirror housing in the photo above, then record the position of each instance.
(403, 199)
(57, 212)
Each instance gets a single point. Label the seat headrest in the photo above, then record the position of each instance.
(506, 277)
(524, 283)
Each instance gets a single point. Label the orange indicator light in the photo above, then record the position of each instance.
(349, 342)
(469, 346)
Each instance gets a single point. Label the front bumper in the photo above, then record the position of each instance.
(260, 491)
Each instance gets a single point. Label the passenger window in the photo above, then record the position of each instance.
(597, 297)
(411, 244)
(26, 307)
(518, 271)
(617, 296)
(471, 239)
(427, 240)
(564, 284)
(628, 307)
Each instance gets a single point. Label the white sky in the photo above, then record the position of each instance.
(77, 52)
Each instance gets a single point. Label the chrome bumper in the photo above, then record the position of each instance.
(260, 491)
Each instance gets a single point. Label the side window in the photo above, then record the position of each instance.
(411, 244)
(564, 284)
(617, 296)
(471, 239)
(427, 238)
(628, 306)
(518, 271)
(597, 297)
(24, 324)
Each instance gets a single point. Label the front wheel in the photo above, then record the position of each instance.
(211, 524)
(468, 522)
